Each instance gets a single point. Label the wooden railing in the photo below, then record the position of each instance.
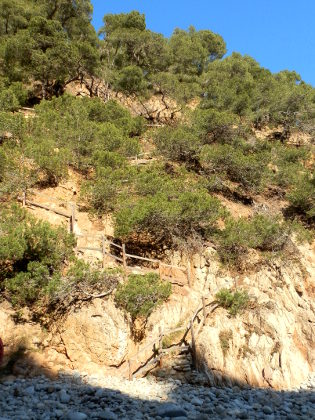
(157, 351)
(106, 243)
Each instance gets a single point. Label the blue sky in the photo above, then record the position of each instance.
(279, 34)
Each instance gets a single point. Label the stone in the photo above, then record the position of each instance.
(196, 401)
(64, 396)
(76, 415)
(107, 415)
(30, 390)
(267, 410)
(99, 339)
(170, 410)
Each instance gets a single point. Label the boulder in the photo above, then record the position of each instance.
(97, 333)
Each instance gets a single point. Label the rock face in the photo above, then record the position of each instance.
(272, 343)
(97, 333)
(18, 337)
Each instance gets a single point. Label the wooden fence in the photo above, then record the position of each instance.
(157, 352)
(182, 274)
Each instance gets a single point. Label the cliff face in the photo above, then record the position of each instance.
(270, 344)
(273, 342)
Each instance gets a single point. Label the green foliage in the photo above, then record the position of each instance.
(127, 43)
(104, 191)
(32, 253)
(264, 233)
(239, 85)
(8, 101)
(225, 337)
(81, 272)
(130, 80)
(214, 126)
(29, 286)
(180, 143)
(290, 164)
(141, 294)
(146, 60)
(192, 51)
(51, 162)
(15, 176)
(180, 87)
(48, 42)
(246, 167)
(82, 279)
(169, 217)
(114, 113)
(302, 195)
(234, 302)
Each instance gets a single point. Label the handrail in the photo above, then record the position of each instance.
(125, 255)
(136, 257)
(105, 242)
(159, 338)
(59, 212)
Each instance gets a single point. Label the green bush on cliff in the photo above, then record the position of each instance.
(170, 217)
(141, 294)
(234, 302)
(32, 255)
(264, 233)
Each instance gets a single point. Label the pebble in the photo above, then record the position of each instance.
(113, 398)
(64, 396)
(76, 415)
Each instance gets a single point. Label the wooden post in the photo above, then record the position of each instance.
(130, 369)
(72, 219)
(193, 343)
(103, 251)
(160, 270)
(188, 273)
(160, 346)
(204, 310)
(24, 199)
(124, 258)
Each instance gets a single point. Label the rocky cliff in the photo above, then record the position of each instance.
(270, 344)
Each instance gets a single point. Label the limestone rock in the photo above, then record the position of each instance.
(272, 343)
(96, 333)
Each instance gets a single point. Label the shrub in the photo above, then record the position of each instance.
(8, 100)
(81, 280)
(32, 254)
(82, 273)
(51, 162)
(289, 163)
(113, 112)
(29, 286)
(235, 302)
(179, 144)
(141, 294)
(130, 80)
(264, 233)
(166, 217)
(302, 195)
(239, 166)
(214, 126)
(225, 337)
(102, 194)
(81, 128)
